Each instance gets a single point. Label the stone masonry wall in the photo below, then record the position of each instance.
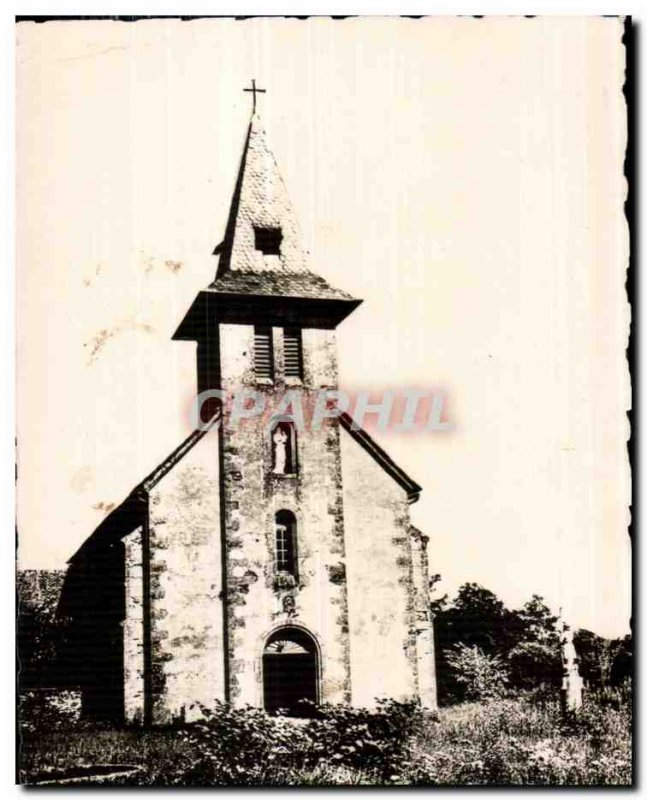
(253, 495)
(133, 628)
(381, 596)
(425, 650)
(187, 647)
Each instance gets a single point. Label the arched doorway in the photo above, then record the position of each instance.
(290, 671)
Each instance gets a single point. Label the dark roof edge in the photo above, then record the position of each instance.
(121, 520)
(385, 461)
(177, 455)
(249, 309)
(126, 516)
(225, 247)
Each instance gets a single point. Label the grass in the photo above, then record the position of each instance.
(59, 750)
(516, 741)
(520, 743)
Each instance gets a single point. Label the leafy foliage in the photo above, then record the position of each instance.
(603, 662)
(50, 709)
(532, 664)
(513, 740)
(482, 676)
(525, 641)
(537, 623)
(248, 747)
(478, 618)
(41, 640)
(524, 742)
(622, 666)
(475, 618)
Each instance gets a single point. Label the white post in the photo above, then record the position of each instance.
(571, 680)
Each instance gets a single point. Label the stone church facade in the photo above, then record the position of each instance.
(263, 563)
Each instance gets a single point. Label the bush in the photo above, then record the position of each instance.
(48, 709)
(248, 747)
(234, 746)
(518, 741)
(482, 676)
(371, 740)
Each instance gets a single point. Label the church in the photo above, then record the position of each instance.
(261, 564)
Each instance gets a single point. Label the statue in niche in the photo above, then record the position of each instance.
(279, 439)
(282, 449)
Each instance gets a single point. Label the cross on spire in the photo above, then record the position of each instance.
(254, 92)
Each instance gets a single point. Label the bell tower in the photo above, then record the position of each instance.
(266, 326)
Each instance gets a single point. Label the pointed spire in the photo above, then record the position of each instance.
(263, 275)
(262, 232)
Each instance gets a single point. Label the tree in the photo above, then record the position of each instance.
(537, 623)
(525, 640)
(40, 639)
(534, 664)
(475, 618)
(622, 666)
(603, 662)
(535, 659)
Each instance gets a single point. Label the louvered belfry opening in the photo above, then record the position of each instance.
(263, 357)
(293, 353)
(290, 672)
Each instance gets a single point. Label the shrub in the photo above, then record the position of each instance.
(482, 676)
(518, 741)
(371, 740)
(248, 747)
(235, 747)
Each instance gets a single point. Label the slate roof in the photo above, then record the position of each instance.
(287, 284)
(250, 286)
(260, 200)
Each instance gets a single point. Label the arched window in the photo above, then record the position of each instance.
(284, 449)
(285, 532)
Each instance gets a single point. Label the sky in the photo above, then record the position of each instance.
(462, 176)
